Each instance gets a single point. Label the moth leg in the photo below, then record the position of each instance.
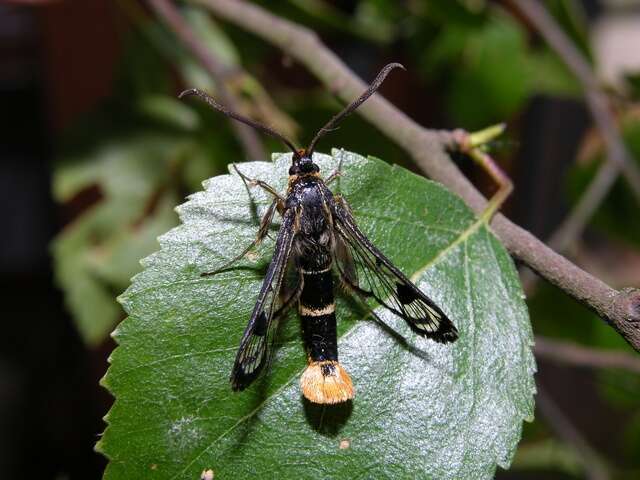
(265, 223)
(252, 182)
(336, 173)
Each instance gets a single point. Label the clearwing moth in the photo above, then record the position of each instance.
(318, 241)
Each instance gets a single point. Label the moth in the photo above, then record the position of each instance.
(318, 243)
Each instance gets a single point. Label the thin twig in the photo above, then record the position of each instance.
(592, 198)
(577, 355)
(618, 157)
(595, 468)
(166, 10)
(505, 187)
(428, 148)
(473, 144)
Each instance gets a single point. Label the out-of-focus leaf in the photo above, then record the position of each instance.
(371, 23)
(428, 410)
(117, 260)
(492, 81)
(97, 254)
(253, 99)
(90, 303)
(212, 36)
(90, 268)
(142, 69)
(367, 22)
(170, 111)
(549, 75)
(455, 12)
(572, 19)
(487, 67)
(547, 455)
(126, 167)
(621, 387)
(632, 436)
(632, 79)
(445, 49)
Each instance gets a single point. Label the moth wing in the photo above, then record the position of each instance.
(367, 271)
(260, 332)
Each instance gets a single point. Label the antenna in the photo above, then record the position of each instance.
(241, 118)
(353, 105)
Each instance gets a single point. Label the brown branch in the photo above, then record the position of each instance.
(618, 157)
(579, 356)
(428, 148)
(594, 466)
(166, 10)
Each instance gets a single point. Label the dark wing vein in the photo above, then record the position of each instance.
(260, 332)
(365, 269)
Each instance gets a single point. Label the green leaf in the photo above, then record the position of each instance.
(494, 62)
(550, 76)
(422, 409)
(91, 266)
(573, 20)
(96, 255)
(170, 111)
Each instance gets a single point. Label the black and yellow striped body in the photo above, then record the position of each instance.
(317, 312)
(324, 380)
(312, 246)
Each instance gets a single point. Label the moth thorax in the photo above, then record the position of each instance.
(326, 382)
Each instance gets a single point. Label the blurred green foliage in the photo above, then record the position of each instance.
(491, 53)
(613, 217)
(135, 157)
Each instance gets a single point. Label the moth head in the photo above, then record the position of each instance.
(302, 164)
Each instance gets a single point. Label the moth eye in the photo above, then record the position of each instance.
(308, 167)
(293, 170)
(405, 294)
(316, 168)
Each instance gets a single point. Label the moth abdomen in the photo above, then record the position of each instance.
(317, 312)
(324, 380)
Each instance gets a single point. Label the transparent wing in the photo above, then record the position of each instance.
(367, 271)
(260, 332)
